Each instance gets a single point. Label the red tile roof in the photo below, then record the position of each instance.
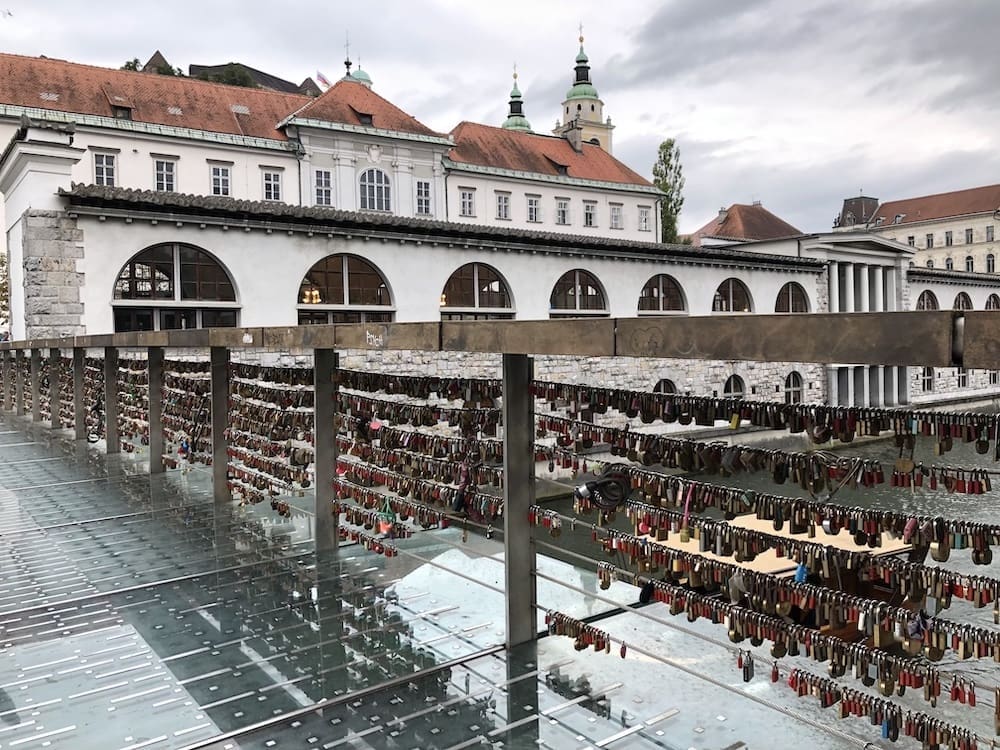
(86, 89)
(940, 206)
(486, 146)
(743, 222)
(346, 101)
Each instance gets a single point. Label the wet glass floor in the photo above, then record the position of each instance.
(132, 615)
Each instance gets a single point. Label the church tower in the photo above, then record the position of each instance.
(583, 111)
(515, 113)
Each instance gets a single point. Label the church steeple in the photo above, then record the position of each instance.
(515, 113)
(583, 111)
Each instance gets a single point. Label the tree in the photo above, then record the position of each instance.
(668, 176)
(233, 75)
(134, 65)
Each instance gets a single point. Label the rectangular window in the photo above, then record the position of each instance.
(616, 216)
(165, 175)
(423, 197)
(467, 202)
(562, 211)
(947, 239)
(994, 377)
(644, 219)
(589, 214)
(104, 169)
(534, 209)
(963, 377)
(272, 185)
(503, 206)
(968, 236)
(324, 187)
(930, 240)
(220, 179)
(911, 241)
(989, 233)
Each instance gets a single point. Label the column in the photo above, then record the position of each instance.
(848, 288)
(325, 363)
(35, 365)
(19, 382)
(850, 386)
(79, 405)
(519, 495)
(220, 420)
(154, 360)
(833, 271)
(111, 399)
(6, 372)
(892, 384)
(903, 385)
(865, 287)
(890, 289)
(862, 371)
(877, 378)
(880, 305)
(832, 386)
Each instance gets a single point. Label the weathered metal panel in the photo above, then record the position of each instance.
(418, 336)
(589, 337)
(981, 342)
(901, 338)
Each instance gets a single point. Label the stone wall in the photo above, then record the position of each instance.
(52, 245)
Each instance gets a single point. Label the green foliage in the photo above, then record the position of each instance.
(232, 75)
(668, 176)
(166, 70)
(134, 65)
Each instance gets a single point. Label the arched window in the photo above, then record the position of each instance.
(666, 385)
(577, 293)
(927, 379)
(970, 264)
(927, 300)
(791, 299)
(930, 263)
(734, 387)
(949, 264)
(962, 302)
(793, 388)
(476, 292)
(991, 263)
(662, 293)
(732, 296)
(375, 192)
(344, 289)
(172, 286)
(993, 302)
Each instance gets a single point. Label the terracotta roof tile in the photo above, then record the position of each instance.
(939, 206)
(743, 222)
(347, 101)
(85, 89)
(487, 146)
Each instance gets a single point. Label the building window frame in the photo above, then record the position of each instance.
(969, 236)
(949, 264)
(970, 264)
(221, 178)
(165, 174)
(590, 213)
(424, 205)
(911, 240)
(989, 233)
(927, 300)
(948, 238)
(645, 213)
(503, 205)
(323, 187)
(961, 377)
(994, 377)
(563, 217)
(271, 178)
(587, 293)
(734, 387)
(105, 168)
(617, 216)
(927, 380)
(991, 263)
(726, 296)
(792, 298)
(534, 204)
(467, 201)
(794, 388)
(375, 191)
(929, 240)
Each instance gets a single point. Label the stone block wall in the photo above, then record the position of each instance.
(52, 245)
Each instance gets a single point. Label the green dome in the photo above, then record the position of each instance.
(582, 91)
(361, 77)
(517, 122)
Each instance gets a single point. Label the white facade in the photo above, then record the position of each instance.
(526, 202)
(966, 243)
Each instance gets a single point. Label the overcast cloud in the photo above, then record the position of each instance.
(796, 103)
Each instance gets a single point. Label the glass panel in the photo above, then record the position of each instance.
(218, 318)
(591, 297)
(564, 293)
(133, 319)
(365, 284)
(492, 289)
(178, 319)
(791, 299)
(202, 277)
(324, 283)
(460, 290)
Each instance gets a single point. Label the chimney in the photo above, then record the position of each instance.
(574, 134)
(723, 213)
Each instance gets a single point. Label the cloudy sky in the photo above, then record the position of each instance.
(795, 103)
